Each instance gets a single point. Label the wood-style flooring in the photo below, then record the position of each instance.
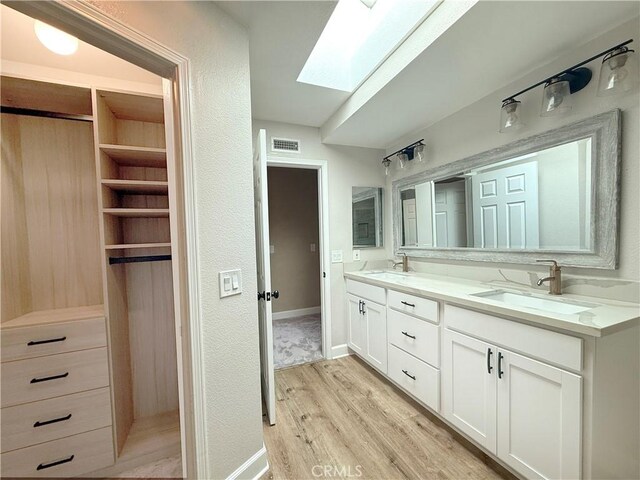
(340, 419)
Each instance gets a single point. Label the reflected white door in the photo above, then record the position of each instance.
(409, 217)
(451, 214)
(505, 208)
(265, 315)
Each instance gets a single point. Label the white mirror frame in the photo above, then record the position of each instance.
(605, 133)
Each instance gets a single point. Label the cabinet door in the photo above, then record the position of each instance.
(376, 335)
(469, 387)
(356, 320)
(539, 418)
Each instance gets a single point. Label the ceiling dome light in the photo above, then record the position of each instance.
(618, 73)
(556, 97)
(56, 40)
(510, 115)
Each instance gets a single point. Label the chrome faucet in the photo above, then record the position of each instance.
(404, 262)
(554, 278)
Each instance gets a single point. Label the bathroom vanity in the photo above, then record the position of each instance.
(548, 386)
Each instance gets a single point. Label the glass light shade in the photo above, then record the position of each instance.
(556, 98)
(55, 40)
(403, 158)
(511, 116)
(386, 163)
(418, 153)
(618, 73)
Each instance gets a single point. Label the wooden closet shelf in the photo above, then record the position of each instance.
(132, 156)
(125, 246)
(141, 187)
(56, 315)
(137, 212)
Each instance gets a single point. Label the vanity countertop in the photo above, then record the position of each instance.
(605, 317)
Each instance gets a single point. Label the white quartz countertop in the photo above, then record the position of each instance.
(604, 317)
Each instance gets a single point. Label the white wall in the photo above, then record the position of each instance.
(347, 167)
(218, 49)
(475, 129)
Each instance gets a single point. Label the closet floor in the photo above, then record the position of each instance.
(297, 340)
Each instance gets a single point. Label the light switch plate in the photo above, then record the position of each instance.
(336, 256)
(356, 255)
(272, 249)
(312, 247)
(230, 282)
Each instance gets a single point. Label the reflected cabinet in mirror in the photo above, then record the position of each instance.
(555, 194)
(366, 217)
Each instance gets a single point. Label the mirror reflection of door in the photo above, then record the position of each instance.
(450, 213)
(410, 226)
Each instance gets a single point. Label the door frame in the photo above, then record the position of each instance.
(321, 167)
(90, 24)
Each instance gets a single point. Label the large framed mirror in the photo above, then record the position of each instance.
(554, 195)
(366, 217)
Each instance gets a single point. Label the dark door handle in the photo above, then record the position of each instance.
(408, 304)
(261, 296)
(49, 422)
(275, 294)
(407, 335)
(53, 377)
(42, 342)
(489, 367)
(42, 466)
(408, 375)
(500, 357)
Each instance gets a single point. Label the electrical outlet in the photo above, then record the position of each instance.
(356, 255)
(312, 247)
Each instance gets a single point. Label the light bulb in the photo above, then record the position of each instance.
(402, 160)
(619, 72)
(556, 97)
(55, 40)
(510, 115)
(418, 152)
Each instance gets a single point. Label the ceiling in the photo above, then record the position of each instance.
(19, 43)
(492, 45)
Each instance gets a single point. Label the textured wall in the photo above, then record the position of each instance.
(221, 118)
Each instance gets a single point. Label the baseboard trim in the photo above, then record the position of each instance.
(253, 468)
(296, 313)
(338, 351)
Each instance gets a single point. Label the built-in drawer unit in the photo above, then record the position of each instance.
(66, 457)
(40, 340)
(370, 292)
(52, 376)
(415, 336)
(415, 376)
(418, 306)
(46, 420)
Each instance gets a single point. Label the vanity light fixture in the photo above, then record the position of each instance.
(55, 40)
(404, 155)
(618, 73)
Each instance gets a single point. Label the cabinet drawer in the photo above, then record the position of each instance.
(67, 457)
(46, 420)
(46, 377)
(420, 307)
(415, 336)
(364, 290)
(39, 340)
(415, 376)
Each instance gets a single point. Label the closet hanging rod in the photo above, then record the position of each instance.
(43, 113)
(144, 258)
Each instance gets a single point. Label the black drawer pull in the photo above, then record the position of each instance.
(489, 367)
(408, 304)
(500, 372)
(49, 422)
(407, 335)
(408, 375)
(42, 342)
(42, 466)
(46, 379)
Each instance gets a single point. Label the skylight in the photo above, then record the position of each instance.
(358, 38)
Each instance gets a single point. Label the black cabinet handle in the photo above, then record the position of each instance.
(489, 367)
(363, 305)
(359, 306)
(500, 372)
(408, 304)
(42, 466)
(407, 335)
(408, 375)
(46, 379)
(42, 342)
(49, 422)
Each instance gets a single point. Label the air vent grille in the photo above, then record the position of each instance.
(285, 145)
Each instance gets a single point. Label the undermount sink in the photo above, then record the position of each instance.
(563, 306)
(387, 275)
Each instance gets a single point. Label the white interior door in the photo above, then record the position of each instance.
(265, 315)
(451, 214)
(410, 227)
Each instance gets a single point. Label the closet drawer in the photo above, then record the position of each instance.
(39, 340)
(46, 420)
(369, 292)
(46, 377)
(415, 336)
(67, 457)
(418, 306)
(415, 376)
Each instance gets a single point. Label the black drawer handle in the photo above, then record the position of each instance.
(408, 375)
(49, 422)
(489, 367)
(46, 379)
(42, 466)
(407, 335)
(408, 304)
(500, 372)
(42, 342)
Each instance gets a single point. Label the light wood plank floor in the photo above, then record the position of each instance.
(348, 421)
